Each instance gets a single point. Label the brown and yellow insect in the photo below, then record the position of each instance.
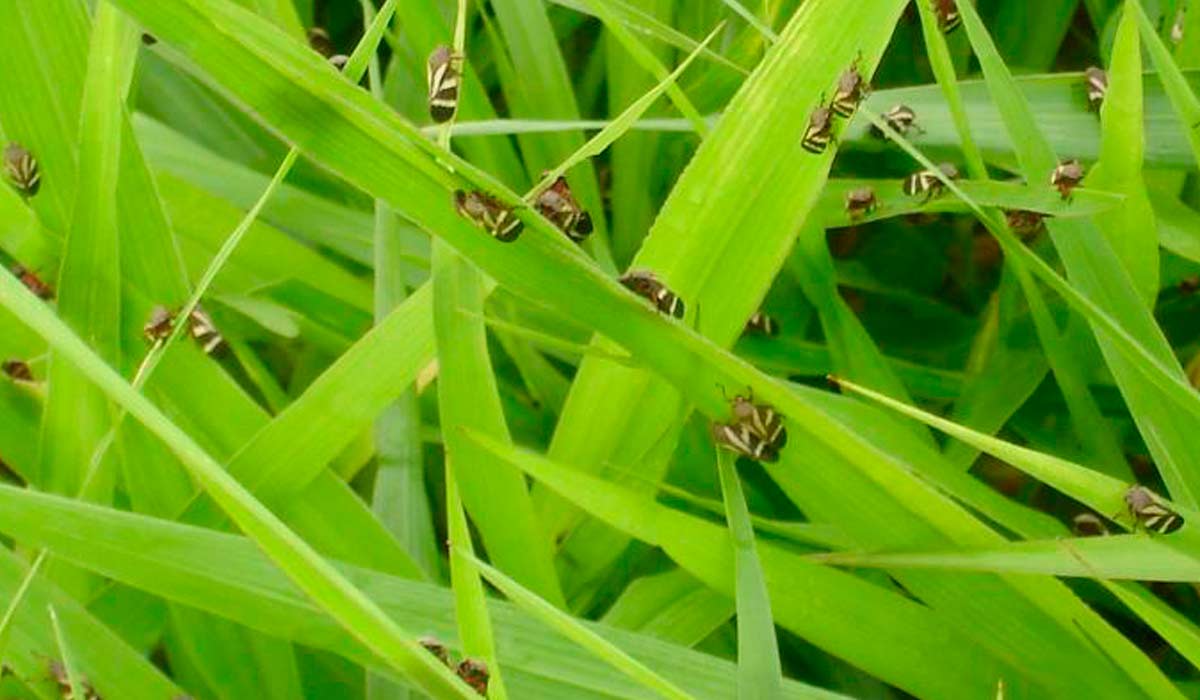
(1024, 223)
(17, 370)
(762, 420)
(927, 182)
(1096, 84)
(901, 119)
(762, 324)
(860, 202)
(645, 284)
(851, 89)
(557, 204)
(444, 75)
(1150, 512)
(819, 132)
(158, 327)
(205, 332)
(474, 673)
(319, 41)
(33, 283)
(22, 170)
(489, 213)
(1066, 177)
(947, 15)
(434, 646)
(741, 439)
(1088, 525)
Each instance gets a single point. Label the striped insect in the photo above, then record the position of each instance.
(901, 119)
(474, 673)
(33, 283)
(22, 170)
(1189, 285)
(947, 15)
(488, 213)
(1024, 223)
(319, 41)
(819, 132)
(762, 420)
(741, 439)
(860, 202)
(339, 61)
(444, 75)
(927, 182)
(1150, 512)
(762, 324)
(851, 89)
(17, 370)
(158, 328)
(557, 204)
(1096, 84)
(1066, 177)
(1088, 525)
(205, 332)
(645, 284)
(1177, 26)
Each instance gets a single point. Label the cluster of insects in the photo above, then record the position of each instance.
(851, 89)
(645, 284)
(756, 430)
(927, 182)
(474, 672)
(22, 171)
(200, 325)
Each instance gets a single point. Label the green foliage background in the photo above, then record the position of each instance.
(416, 430)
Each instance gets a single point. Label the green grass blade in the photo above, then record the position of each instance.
(640, 21)
(470, 601)
(611, 132)
(1117, 557)
(1131, 229)
(672, 606)
(760, 674)
(649, 62)
(77, 415)
(797, 591)
(74, 682)
(114, 667)
(1183, 98)
(570, 628)
(228, 575)
(313, 574)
